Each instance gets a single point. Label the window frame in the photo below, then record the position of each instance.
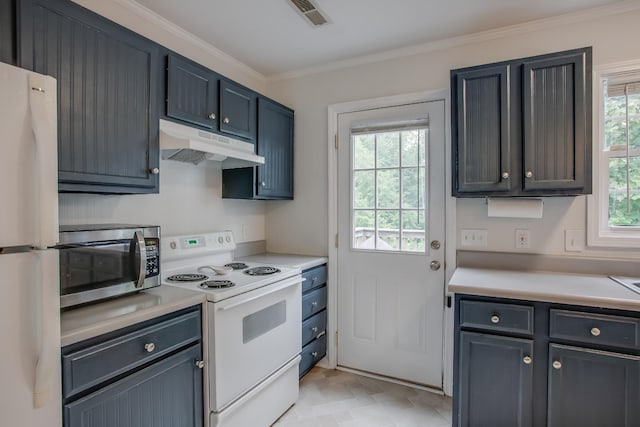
(599, 233)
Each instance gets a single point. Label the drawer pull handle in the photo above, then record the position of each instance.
(495, 319)
(556, 364)
(595, 332)
(314, 303)
(527, 360)
(199, 364)
(314, 329)
(149, 347)
(314, 354)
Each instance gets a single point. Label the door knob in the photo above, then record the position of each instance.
(435, 265)
(435, 244)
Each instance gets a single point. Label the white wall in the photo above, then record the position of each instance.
(301, 225)
(190, 197)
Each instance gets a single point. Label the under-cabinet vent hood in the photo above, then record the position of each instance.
(186, 144)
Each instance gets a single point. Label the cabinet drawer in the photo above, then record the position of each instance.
(314, 301)
(496, 317)
(312, 353)
(601, 329)
(314, 326)
(89, 366)
(314, 277)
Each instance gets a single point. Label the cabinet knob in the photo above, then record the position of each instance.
(263, 184)
(495, 319)
(199, 364)
(529, 174)
(314, 303)
(527, 360)
(155, 171)
(505, 175)
(149, 347)
(595, 332)
(226, 120)
(212, 116)
(314, 329)
(314, 354)
(313, 280)
(556, 364)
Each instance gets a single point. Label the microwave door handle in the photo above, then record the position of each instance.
(142, 249)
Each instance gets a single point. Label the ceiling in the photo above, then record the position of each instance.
(272, 37)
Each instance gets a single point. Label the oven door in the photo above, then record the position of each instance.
(251, 336)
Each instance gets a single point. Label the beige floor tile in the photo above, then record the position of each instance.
(332, 398)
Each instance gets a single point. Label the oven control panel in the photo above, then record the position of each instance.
(197, 244)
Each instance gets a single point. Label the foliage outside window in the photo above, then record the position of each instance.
(615, 215)
(388, 195)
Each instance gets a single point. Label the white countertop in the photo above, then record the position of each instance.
(78, 324)
(565, 288)
(302, 262)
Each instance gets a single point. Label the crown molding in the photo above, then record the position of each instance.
(503, 32)
(190, 38)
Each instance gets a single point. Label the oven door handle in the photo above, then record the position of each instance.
(141, 248)
(287, 284)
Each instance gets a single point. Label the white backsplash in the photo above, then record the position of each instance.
(189, 202)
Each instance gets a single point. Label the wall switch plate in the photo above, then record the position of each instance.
(573, 240)
(473, 237)
(522, 238)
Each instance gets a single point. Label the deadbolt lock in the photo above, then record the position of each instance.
(435, 244)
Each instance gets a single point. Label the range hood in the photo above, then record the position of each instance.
(186, 144)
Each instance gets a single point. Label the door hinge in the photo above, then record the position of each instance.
(448, 301)
(336, 243)
(336, 338)
(336, 140)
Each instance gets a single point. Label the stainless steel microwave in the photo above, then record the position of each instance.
(107, 260)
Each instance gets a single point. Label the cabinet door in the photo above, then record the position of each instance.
(591, 388)
(275, 143)
(481, 123)
(107, 88)
(237, 110)
(192, 93)
(8, 31)
(494, 381)
(557, 122)
(167, 393)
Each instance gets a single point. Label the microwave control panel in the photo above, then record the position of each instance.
(153, 256)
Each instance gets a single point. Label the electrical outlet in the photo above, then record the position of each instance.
(522, 238)
(477, 238)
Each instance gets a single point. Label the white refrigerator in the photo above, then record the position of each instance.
(30, 388)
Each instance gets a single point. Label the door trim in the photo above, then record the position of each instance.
(450, 213)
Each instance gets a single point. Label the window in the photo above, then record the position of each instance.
(614, 207)
(389, 188)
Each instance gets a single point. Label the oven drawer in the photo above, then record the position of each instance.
(314, 326)
(312, 353)
(616, 331)
(85, 366)
(314, 278)
(494, 316)
(314, 301)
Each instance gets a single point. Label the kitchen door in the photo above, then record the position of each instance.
(391, 229)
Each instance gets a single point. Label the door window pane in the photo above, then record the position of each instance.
(389, 190)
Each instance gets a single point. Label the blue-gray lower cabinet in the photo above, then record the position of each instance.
(314, 317)
(591, 388)
(165, 394)
(533, 363)
(147, 374)
(502, 363)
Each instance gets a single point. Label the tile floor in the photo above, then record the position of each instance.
(336, 398)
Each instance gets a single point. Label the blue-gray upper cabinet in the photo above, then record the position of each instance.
(192, 93)
(107, 88)
(8, 31)
(237, 110)
(523, 127)
(273, 180)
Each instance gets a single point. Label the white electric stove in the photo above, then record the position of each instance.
(254, 334)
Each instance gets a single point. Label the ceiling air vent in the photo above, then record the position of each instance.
(309, 11)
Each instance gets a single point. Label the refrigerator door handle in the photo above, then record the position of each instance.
(43, 106)
(47, 325)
